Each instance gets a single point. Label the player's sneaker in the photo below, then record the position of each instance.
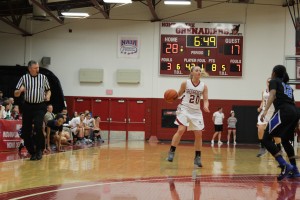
(212, 142)
(171, 156)
(197, 161)
(262, 151)
(294, 173)
(285, 171)
(219, 143)
(234, 142)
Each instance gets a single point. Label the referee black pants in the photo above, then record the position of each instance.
(32, 126)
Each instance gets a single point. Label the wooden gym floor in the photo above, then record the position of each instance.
(138, 170)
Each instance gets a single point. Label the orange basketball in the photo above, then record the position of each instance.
(170, 95)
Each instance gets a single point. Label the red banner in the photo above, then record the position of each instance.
(9, 137)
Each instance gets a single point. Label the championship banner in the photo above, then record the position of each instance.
(9, 137)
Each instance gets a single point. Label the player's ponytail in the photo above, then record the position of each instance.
(202, 72)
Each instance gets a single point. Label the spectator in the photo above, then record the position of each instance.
(96, 136)
(75, 114)
(77, 127)
(89, 124)
(231, 121)
(67, 130)
(11, 102)
(49, 114)
(218, 118)
(15, 114)
(54, 132)
(6, 114)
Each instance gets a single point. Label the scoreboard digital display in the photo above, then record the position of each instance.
(217, 48)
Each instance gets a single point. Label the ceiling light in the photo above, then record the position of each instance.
(177, 2)
(75, 14)
(117, 1)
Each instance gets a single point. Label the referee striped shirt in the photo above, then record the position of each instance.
(35, 87)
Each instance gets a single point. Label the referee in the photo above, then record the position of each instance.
(36, 90)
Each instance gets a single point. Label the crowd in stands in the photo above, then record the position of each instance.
(59, 129)
(8, 109)
(62, 130)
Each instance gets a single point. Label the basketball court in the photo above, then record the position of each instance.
(129, 167)
(138, 170)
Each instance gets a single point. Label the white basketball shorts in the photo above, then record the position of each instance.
(191, 118)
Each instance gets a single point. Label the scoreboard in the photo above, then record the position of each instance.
(217, 48)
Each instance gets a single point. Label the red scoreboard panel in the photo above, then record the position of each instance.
(217, 48)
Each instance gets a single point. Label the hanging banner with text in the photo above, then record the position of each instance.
(9, 137)
(128, 46)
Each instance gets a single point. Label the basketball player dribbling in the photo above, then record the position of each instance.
(189, 115)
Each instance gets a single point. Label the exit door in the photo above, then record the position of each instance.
(118, 119)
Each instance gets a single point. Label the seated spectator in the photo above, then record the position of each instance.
(75, 114)
(67, 130)
(77, 127)
(89, 123)
(6, 114)
(49, 114)
(96, 131)
(11, 102)
(54, 132)
(15, 114)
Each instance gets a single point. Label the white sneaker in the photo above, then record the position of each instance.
(212, 142)
(234, 142)
(220, 142)
(227, 143)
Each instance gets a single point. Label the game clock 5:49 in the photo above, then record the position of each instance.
(216, 48)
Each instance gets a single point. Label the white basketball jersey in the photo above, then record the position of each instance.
(265, 98)
(192, 95)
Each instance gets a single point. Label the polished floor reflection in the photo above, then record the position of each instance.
(138, 170)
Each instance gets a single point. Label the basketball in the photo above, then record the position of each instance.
(170, 95)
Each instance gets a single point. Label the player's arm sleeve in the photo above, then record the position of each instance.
(272, 85)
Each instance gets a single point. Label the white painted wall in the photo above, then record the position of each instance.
(269, 36)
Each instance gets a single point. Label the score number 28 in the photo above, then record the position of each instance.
(170, 48)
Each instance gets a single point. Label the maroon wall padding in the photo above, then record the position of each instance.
(152, 111)
(167, 133)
